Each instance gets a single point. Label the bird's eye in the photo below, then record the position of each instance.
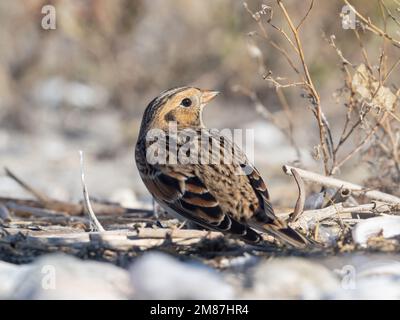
(186, 102)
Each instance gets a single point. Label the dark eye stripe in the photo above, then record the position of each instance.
(163, 97)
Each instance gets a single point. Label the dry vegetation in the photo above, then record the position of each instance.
(365, 127)
(370, 99)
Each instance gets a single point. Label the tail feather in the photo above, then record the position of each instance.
(285, 234)
(292, 237)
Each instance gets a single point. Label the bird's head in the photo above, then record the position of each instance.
(183, 105)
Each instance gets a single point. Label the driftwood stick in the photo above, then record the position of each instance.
(19, 209)
(73, 209)
(175, 233)
(77, 209)
(314, 216)
(337, 183)
(140, 233)
(114, 243)
(88, 206)
(143, 237)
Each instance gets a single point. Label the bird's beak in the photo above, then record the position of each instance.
(208, 95)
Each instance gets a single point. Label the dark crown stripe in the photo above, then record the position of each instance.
(164, 96)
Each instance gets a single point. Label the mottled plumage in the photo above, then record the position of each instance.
(214, 194)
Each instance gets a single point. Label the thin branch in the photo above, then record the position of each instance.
(37, 194)
(322, 122)
(359, 146)
(345, 135)
(391, 70)
(389, 12)
(286, 55)
(273, 43)
(337, 183)
(373, 28)
(306, 15)
(279, 85)
(363, 51)
(267, 114)
(332, 43)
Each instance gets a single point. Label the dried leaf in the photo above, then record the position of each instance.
(369, 90)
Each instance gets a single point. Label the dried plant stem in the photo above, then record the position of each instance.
(363, 51)
(337, 183)
(390, 14)
(88, 206)
(305, 82)
(37, 194)
(306, 15)
(373, 28)
(299, 208)
(270, 116)
(322, 123)
(397, 62)
(359, 146)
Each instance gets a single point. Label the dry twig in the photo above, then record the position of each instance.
(306, 81)
(337, 183)
(88, 206)
(315, 216)
(299, 208)
(37, 194)
(373, 28)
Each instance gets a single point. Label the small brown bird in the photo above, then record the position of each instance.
(227, 196)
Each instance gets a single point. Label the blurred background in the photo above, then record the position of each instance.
(85, 84)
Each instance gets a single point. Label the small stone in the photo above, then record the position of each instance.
(58, 276)
(291, 278)
(160, 276)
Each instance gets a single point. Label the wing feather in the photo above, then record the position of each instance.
(188, 196)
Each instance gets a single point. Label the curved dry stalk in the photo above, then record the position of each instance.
(305, 16)
(88, 206)
(299, 207)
